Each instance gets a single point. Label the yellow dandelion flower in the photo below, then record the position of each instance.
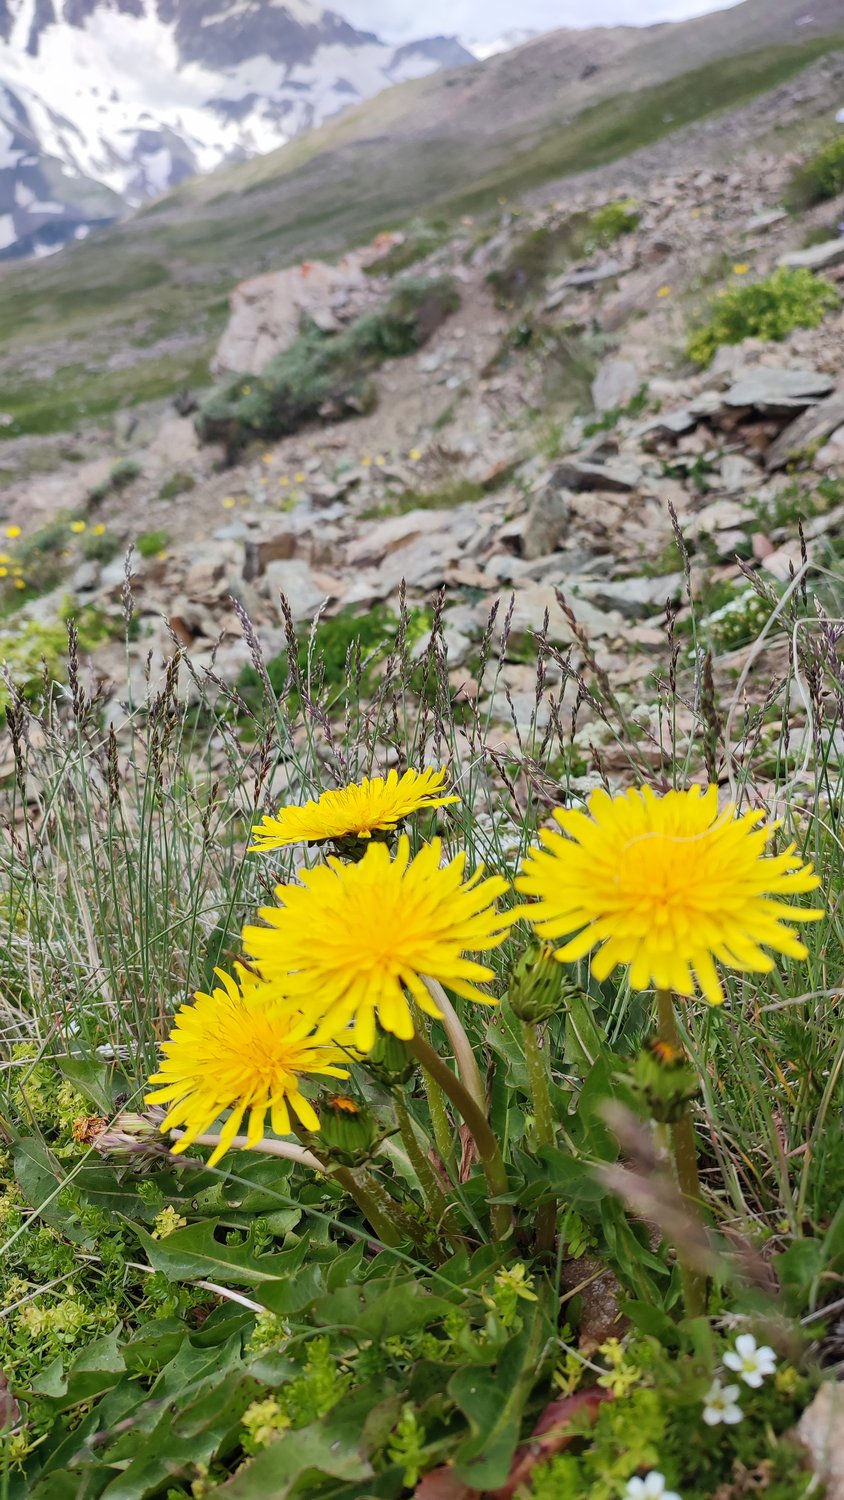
(380, 460)
(267, 458)
(229, 502)
(284, 479)
(300, 477)
(4, 557)
(99, 529)
(355, 811)
(77, 527)
(20, 583)
(415, 454)
(665, 885)
(246, 390)
(664, 291)
(741, 269)
(366, 461)
(243, 1047)
(4, 572)
(13, 532)
(351, 939)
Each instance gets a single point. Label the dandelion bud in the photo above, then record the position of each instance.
(131, 1136)
(390, 1059)
(662, 1078)
(537, 984)
(348, 1130)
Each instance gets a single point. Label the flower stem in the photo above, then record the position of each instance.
(436, 1202)
(464, 1055)
(546, 1218)
(685, 1164)
(475, 1117)
(290, 1150)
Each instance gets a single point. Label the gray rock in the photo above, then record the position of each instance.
(635, 598)
(816, 257)
(577, 474)
(812, 427)
(529, 614)
(592, 275)
(737, 472)
(778, 391)
(85, 578)
(761, 222)
(821, 1430)
(295, 580)
(546, 523)
(260, 551)
(616, 383)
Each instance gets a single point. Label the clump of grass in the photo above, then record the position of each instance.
(770, 309)
(418, 241)
(150, 543)
(326, 376)
(177, 484)
(460, 492)
(819, 178)
(35, 654)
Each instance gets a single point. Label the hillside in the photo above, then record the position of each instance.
(133, 314)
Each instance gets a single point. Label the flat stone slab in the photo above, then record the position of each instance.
(772, 390)
(816, 257)
(577, 474)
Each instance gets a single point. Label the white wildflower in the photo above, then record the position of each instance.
(749, 1361)
(652, 1487)
(721, 1405)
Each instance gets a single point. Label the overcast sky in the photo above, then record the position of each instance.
(483, 20)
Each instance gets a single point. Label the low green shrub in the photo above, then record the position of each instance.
(611, 223)
(538, 253)
(177, 484)
(768, 309)
(819, 178)
(35, 653)
(150, 543)
(124, 472)
(322, 375)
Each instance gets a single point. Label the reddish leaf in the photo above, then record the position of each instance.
(443, 1484)
(550, 1435)
(9, 1409)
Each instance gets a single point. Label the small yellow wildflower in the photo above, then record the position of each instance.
(267, 458)
(99, 529)
(664, 291)
(4, 572)
(20, 583)
(77, 527)
(366, 461)
(665, 885)
(355, 811)
(246, 390)
(300, 477)
(241, 1048)
(415, 454)
(351, 940)
(167, 1222)
(284, 479)
(741, 269)
(13, 532)
(380, 460)
(4, 557)
(229, 502)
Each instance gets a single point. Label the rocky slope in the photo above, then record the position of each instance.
(107, 103)
(550, 454)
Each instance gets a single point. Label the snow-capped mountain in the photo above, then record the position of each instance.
(106, 103)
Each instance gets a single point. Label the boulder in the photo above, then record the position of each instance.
(546, 522)
(816, 257)
(778, 392)
(267, 311)
(295, 580)
(578, 474)
(809, 429)
(635, 598)
(615, 384)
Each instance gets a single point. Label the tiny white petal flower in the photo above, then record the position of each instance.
(749, 1361)
(652, 1487)
(721, 1405)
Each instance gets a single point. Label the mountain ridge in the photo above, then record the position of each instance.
(115, 101)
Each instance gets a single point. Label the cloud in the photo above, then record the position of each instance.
(483, 20)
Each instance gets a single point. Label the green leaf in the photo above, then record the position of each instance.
(96, 1079)
(330, 1449)
(97, 1369)
(41, 1179)
(194, 1252)
(382, 1309)
(494, 1403)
